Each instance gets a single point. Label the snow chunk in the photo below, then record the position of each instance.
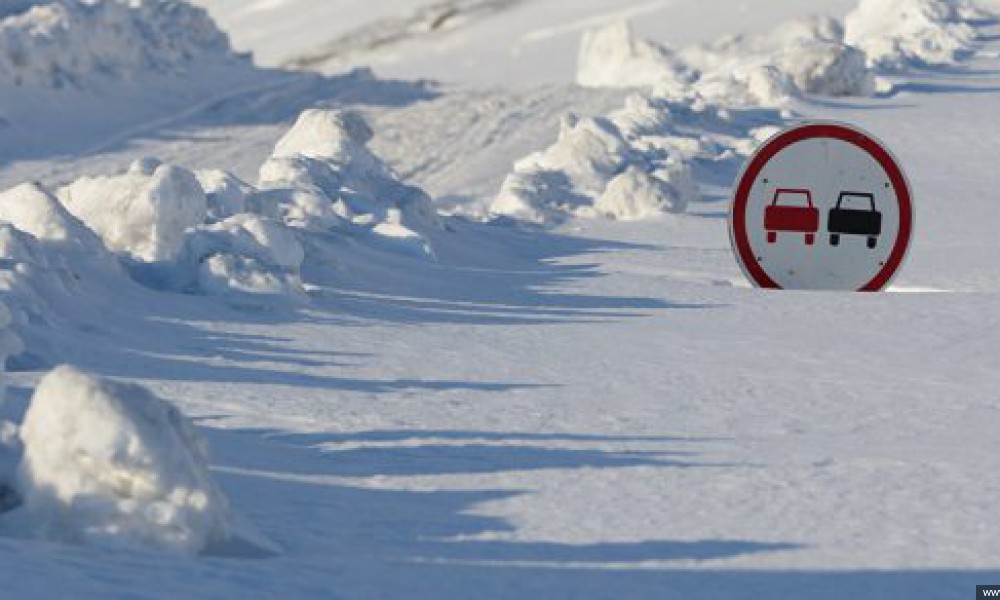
(225, 274)
(245, 253)
(612, 57)
(899, 33)
(143, 213)
(225, 194)
(109, 464)
(637, 194)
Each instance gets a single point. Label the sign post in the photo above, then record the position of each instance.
(821, 206)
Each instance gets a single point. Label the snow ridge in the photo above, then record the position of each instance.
(72, 43)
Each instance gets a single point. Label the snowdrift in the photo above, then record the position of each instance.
(807, 56)
(322, 175)
(53, 268)
(77, 44)
(818, 56)
(612, 56)
(698, 110)
(207, 232)
(636, 163)
(142, 213)
(896, 34)
(120, 63)
(110, 465)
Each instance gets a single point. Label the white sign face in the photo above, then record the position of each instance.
(821, 206)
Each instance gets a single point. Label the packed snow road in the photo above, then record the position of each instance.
(599, 409)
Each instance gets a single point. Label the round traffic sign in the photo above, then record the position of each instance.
(821, 206)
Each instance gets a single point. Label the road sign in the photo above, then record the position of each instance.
(821, 206)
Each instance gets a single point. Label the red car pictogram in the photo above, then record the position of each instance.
(796, 218)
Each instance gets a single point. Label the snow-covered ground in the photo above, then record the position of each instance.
(401, 404)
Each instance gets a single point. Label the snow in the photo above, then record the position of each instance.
(245, 253)
(32, 209)
(73, 71)
(322, 174)
(142, 213)
(896, 34)
(77, 44)
(446, 405)
(636, 194)
(225, 194)
(635, 163)
(613, 57)
(806, 56)
(111, 465)
(486, 42)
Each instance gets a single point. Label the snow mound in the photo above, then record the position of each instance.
(74, 43)
(32, 209)
(208, 232)
(638, 194)
(632, 164)
(188, 232)
(245, 253)
(109, 464)
(638, 162)
(808, 56)
(611, 56)
(322, 175)
(52, 267)
(900, 33)
(142, 213)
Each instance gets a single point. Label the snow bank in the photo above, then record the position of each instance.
(632, 164)
(51, 267)
(77, 43)
(322, 175)
(899, 33)
(208, 232)
(32, 209)
(142, 213)
(111, 465)
(805, 56)
(121, 63)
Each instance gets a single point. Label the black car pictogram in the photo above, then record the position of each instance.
(865, 221)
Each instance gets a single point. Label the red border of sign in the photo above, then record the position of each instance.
(737, 215)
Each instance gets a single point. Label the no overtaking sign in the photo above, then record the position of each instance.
(822, 206)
